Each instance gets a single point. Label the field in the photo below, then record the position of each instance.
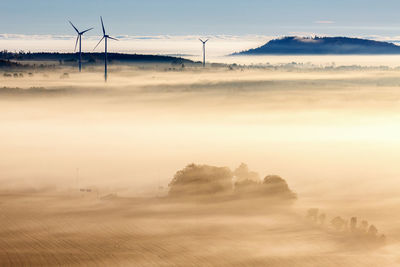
(332, 134)
(60, 230)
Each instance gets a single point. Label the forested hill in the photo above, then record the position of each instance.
(323, 46)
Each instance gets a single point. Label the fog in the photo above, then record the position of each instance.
(142, 126)
(331, 134)
(189, 46)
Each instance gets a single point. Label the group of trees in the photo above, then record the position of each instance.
(361, 229)
(7, 55)
(203, 180)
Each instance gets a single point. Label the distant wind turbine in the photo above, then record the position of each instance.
(79, 39)
(204, 51)
(106, 37)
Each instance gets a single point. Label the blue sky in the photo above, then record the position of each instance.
(206, 17)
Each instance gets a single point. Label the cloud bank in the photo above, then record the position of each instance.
(219, 45)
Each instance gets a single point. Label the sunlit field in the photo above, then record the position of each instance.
(332, 133)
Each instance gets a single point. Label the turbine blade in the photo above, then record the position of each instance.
(74, 27)
(87, 30)
(112, 38)
(102, 25)
(201, 41)
(98, 43)
(76, 44)
(206, 40)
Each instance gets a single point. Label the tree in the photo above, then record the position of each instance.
(201, 180)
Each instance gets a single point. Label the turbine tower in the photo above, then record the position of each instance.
(105, 37)
(79, 39)
(204, 51)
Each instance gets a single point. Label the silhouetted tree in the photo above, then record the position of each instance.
(201, 180)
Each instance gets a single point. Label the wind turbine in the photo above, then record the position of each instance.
(79, 39)
(204, 51)
(106, 37)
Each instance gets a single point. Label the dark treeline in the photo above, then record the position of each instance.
(9, 64)
(91, 57)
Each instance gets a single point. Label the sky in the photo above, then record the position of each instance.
(162, 26)
(206, 17)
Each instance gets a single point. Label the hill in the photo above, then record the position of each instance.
(294, 45)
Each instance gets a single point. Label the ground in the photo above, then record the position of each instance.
(49, 230)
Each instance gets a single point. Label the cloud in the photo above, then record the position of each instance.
(391, 39)
(219, 45)
(324, 22)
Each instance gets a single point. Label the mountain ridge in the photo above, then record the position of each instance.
(295, 45)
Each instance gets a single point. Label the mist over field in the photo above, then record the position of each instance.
(331, 134)
(270, 119)
(199, 133)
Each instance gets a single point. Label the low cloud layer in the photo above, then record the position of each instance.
(219, 45)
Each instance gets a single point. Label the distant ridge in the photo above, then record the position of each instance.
(293, 45)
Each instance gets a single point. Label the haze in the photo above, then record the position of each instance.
(162, 151)
(332, 134)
